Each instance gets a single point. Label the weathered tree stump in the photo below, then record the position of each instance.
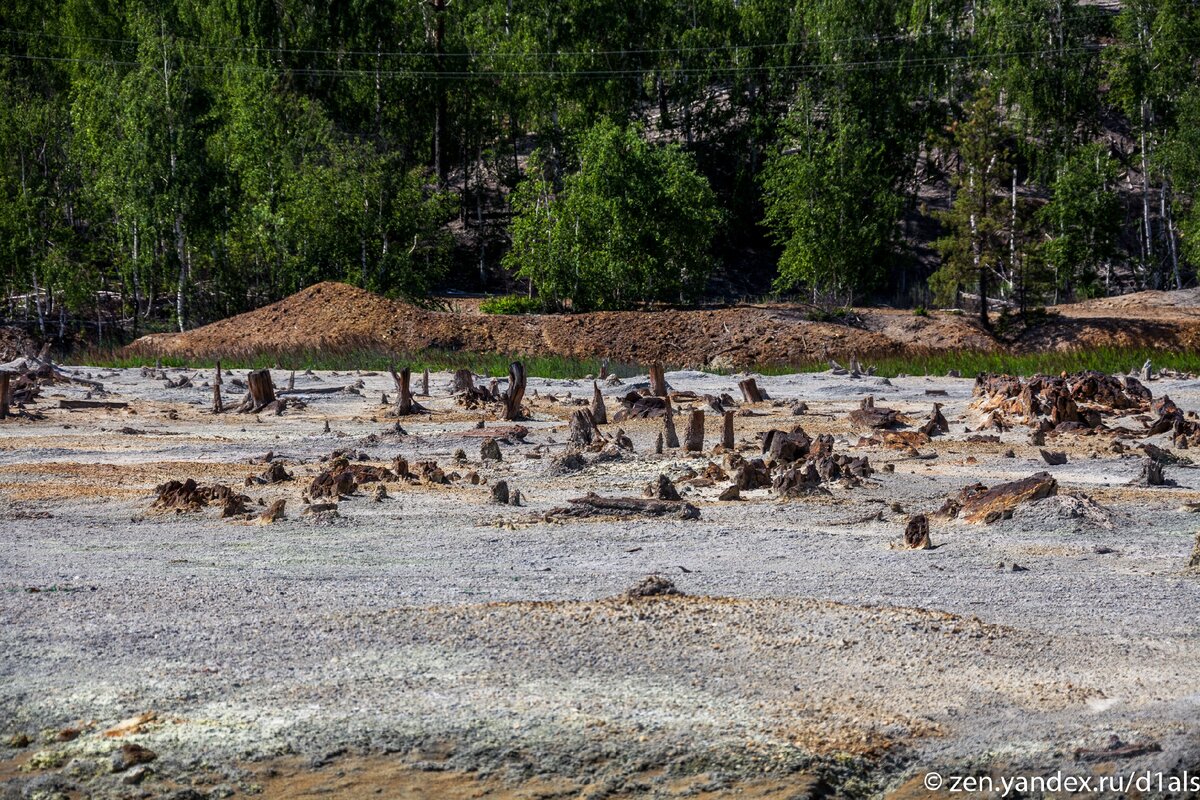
(516, 391)
(750, 391)
(937, 422)
(658, 444)
(425, 383)
(217, 406)
(727, 431)
(662, 488)
(262, 389)
(599, 412)
(868, 415)
(916, 533)
(603, 368)
(658, 380)
(582, 429)
(671, 437)
(693, 437)
(405, 404)
(5, 393)
(1152, 473)
(1055, 458)
(292, 381)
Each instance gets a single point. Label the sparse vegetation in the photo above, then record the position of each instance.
(511, 304)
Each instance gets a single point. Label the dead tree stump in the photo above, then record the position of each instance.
(672, 438)
(599, 412)
(425, 383)
(262, 389)
(5, 392)
(603, 368)
(693, 437)
(292, 380)
(658, 444)
(727, 432)
(516, 391)
(217, 405)
(750, 391)
(916, 533)
(405, 404)
(658, 381)
(582, 429)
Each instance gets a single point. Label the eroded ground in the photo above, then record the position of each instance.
(438, 644)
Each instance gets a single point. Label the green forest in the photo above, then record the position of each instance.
(164, 164)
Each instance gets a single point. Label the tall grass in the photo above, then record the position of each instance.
(1052, 362)
(491, 364)
(967, 363)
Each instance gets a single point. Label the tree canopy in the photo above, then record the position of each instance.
(164, 164)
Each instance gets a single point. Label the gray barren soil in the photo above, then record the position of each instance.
(440, 634)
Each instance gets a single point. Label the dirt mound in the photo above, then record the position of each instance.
(335, 317)
(1184, 301)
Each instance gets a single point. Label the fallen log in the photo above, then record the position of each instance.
(81, 404)
(979, 504)
(593, 505)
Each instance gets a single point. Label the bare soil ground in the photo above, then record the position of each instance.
(340, 317)
(438, 644)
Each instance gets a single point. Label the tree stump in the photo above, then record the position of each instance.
(599, 413)
(727, 432)
(262, 389)
(516, 391)
(671, 437)
(693, 437)
(5, 392)
(658, 444)
(217, 406)
(603, 368)
(405, 404)
(658, 381)
(582, 428)
(916, 533)
(750, 391)
(292, 380)
(425, 383)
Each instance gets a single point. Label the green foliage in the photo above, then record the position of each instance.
(632, 225)
(1082, 220)
(511, 304)
(832, 177)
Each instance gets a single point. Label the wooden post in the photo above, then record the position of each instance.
(727, 433)
(750, 391)
(5, 375)
(658, 382)
(262, 389)
(693, 437)
(516, 391)
(599, 412)
(672, 438)
(425, 383)
(217, 405)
